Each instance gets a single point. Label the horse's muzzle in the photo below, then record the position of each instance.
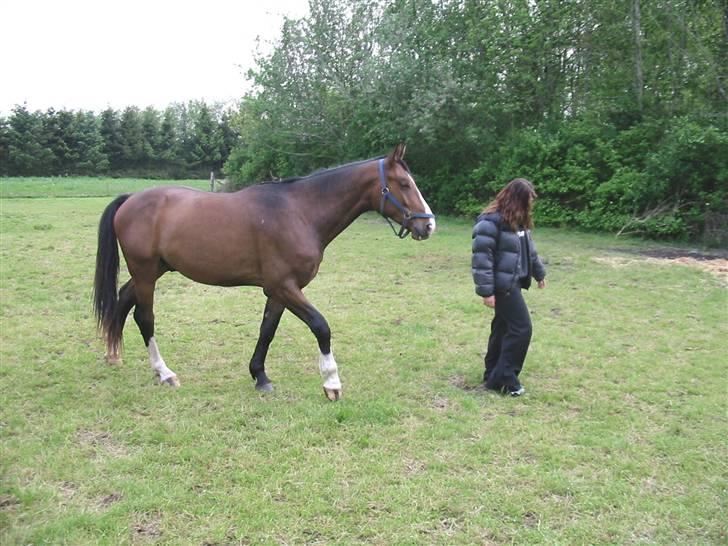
(422, 229)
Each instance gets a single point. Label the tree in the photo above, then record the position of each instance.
(132, 139)
(306, 113)
(229, 137)
(59, 128)
(205, 144)
(91, 159)
(4, 147)
(151, 138)
(28, 150)
(168, 142)
(110, 130)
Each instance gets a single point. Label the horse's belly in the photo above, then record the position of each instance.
(220, 261)
(220, 276)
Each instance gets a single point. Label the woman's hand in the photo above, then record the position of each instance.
(542, 283)
(489, 301)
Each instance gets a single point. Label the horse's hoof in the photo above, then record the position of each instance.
(332, 394)
(171, 381)
(265, 387)
(113, 360)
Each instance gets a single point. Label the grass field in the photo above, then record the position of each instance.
(84, 186)
(621, 438)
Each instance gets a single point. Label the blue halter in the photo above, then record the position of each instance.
(407, 214)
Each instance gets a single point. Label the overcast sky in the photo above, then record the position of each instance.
(90, 54)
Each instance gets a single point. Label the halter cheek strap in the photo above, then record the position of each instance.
(407, 214)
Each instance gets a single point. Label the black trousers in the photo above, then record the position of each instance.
(510, 336)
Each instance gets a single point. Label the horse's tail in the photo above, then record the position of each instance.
(107, 273)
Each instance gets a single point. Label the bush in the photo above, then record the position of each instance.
(656, 179)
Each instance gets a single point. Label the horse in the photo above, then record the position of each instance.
(270, 235)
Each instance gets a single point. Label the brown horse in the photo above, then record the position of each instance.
(271, 235)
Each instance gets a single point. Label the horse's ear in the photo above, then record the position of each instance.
(398, 152)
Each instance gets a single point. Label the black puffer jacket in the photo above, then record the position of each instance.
(497, 256)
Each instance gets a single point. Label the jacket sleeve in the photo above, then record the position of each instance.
(485, 237)
(537, 268)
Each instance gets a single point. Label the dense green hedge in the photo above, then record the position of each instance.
(655, 178)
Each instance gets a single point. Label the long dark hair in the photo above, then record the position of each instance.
(515, 203)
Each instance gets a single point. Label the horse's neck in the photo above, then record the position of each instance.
(343, 202)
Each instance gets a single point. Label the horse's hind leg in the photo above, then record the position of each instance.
(127, 300)
(144, 317)
(297, 303)
(268, 327)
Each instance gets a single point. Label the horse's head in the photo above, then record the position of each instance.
(401, 200)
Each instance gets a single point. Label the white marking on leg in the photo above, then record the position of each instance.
(329, 371)
(158, 364)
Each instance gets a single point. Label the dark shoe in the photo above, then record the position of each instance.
(512, 390)
(509, 390)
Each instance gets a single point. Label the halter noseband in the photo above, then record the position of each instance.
(407, 214)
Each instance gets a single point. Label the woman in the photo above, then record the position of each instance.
(504, 260)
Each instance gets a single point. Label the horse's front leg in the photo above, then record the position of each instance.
(330, 374)
(268, 327)
(297, 303)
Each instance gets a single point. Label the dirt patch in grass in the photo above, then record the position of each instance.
(102, 441)
(111, 498)
(7, 502)
(412, 466)
(531, 520)
(714, 262)
(149, 528)
(67, 490)
(440, 403)
(460, 382)
(677, 253)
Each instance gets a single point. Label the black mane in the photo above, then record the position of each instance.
(325, 172)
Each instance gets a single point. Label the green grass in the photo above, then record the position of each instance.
(83, 186)
(621, 438)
